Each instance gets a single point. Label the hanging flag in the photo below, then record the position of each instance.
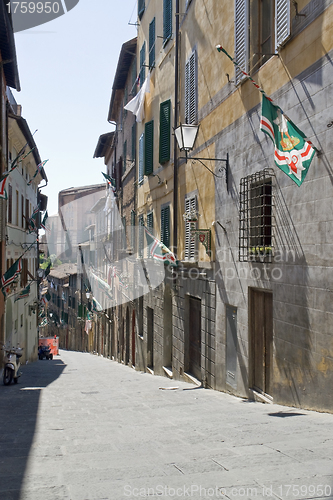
(23, 293)
(3, 192)
(16, 161)
(158, 250)
(47, 270)
(39, 168)
(11, 274)
(136, 105)
(43, 223)
(43, 323)
(33, 223)
(293, 153)
(46, 298)
(110, 180)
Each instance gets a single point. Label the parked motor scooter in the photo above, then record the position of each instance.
(12, 364)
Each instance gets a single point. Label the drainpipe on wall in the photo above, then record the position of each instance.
(175, 161)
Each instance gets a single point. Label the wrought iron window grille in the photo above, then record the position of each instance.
(257, 217)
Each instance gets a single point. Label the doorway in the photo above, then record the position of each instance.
(150, 337)
(195, 337)
(261, 339)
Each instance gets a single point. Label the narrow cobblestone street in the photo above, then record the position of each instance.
(82, 427)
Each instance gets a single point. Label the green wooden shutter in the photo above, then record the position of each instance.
(165, 225)
(141, 233)
(141, 8)
(142, 64)
(165, 128)
(132, 229)
(150, 226)
(191, 89)
(167, 20)
(141, 156)
(149, 147)
(152, 38)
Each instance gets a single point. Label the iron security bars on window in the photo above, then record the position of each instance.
(256, 217)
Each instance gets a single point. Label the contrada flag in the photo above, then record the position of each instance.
(293, 153)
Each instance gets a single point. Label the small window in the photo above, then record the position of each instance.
(256, 217)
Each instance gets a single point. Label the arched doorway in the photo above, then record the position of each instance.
(133, 338)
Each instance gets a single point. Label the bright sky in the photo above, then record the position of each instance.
(66, 69)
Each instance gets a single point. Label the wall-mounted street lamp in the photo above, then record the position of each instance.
(186, 135)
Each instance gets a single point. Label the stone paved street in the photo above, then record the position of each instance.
(82, 427)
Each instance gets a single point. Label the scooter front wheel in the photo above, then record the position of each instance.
(7, 376)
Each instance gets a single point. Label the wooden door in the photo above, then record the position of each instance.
(195, 337)
(261, 328)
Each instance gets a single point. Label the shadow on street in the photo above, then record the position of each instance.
(18, 413)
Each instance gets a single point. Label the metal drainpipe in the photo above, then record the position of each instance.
(175, 164)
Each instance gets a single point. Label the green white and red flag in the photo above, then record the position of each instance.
(158, 250)
(293, 153)
(23, 293)
(3, 192)
(11, 274)
(39, 168)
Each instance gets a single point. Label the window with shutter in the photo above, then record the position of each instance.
(149, 147)
(165, 225)
(191, 99)
(141, 234)
(124, 232)
(190, 242)
(152, 38)
(167, 20)
(141, 8)
(141, 156)
(133, 141)
(150, 227)
(142, 64)
(241, 42)
(261, 27)
(133, 229)
(282, 19)
(165, 129)
(10, 203)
